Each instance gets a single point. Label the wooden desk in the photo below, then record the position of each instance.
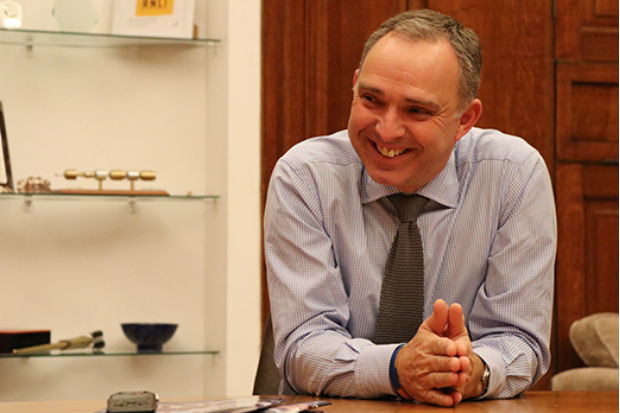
(534, 401)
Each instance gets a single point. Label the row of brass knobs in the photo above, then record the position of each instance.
(114, 174)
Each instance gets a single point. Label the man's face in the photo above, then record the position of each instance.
(405, 117)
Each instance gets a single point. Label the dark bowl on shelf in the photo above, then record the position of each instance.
(149, 336)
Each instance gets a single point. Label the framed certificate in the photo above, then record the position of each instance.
(153, 18)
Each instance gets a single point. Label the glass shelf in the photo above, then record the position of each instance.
(53, 38)
(90, 353)
(92, 196)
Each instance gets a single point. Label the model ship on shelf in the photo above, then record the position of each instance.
(115, 175)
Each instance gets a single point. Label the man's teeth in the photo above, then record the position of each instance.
(390, 153)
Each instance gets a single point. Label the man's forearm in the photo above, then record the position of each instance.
(333, 365)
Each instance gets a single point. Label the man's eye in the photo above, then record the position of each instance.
(417, 110)
(369, 98)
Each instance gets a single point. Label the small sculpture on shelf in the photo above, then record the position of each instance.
(34, 185)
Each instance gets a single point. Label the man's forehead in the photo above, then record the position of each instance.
(405, 40)
(398, 48)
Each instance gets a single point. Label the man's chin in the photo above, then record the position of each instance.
(388, 180)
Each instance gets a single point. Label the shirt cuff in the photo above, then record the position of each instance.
(497, 370)
(373, 370)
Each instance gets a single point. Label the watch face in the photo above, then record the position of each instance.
(484, 380)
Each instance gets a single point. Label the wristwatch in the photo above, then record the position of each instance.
(484, 380)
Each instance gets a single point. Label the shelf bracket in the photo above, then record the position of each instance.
(132, 205)
(28, 43)
(27, 201)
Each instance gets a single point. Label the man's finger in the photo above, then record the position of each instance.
(440, 364)
(464, 363)
(456, 321)
(438, 397)
(444, 347)
(441, 380)
(438, 320)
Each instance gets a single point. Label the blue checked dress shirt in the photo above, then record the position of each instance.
(489, 235)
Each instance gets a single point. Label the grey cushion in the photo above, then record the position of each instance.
(586, 378)
(595, 339)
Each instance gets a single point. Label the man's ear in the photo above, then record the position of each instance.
(469, 118)
(356, 75)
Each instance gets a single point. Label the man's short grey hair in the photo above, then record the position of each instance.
(430, 25)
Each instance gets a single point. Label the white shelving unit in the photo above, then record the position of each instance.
(188, 109)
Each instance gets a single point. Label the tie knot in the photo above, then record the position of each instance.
(408, 207)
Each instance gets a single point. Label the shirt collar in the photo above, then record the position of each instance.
(444, 188)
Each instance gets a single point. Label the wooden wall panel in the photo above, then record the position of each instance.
(570, 261)
(587, 30)
(587, 264)
(283, 74)
(587, 158)
(601, 255)
(587, 111)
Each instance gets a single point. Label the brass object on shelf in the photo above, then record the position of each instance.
(74, 174)
(116, 175)
(148, 175)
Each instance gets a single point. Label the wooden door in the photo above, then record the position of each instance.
(586, 141)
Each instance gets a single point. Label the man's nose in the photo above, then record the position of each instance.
(390, 126)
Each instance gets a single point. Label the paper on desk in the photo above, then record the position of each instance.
(228, 405)
(207, 406)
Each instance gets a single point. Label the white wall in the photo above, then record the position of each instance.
(244, 38)
(192, 115)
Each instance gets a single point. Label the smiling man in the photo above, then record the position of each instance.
(487, 228)
(407, 116)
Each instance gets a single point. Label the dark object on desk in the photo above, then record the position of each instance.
(94, 340)
(267, 380)
(132, 402)
(15, 339)
(149, 336)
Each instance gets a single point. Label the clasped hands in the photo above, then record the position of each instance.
(438, 365)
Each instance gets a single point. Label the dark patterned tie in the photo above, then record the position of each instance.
(401, 305)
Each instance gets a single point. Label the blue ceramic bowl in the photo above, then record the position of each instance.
(149, 336)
